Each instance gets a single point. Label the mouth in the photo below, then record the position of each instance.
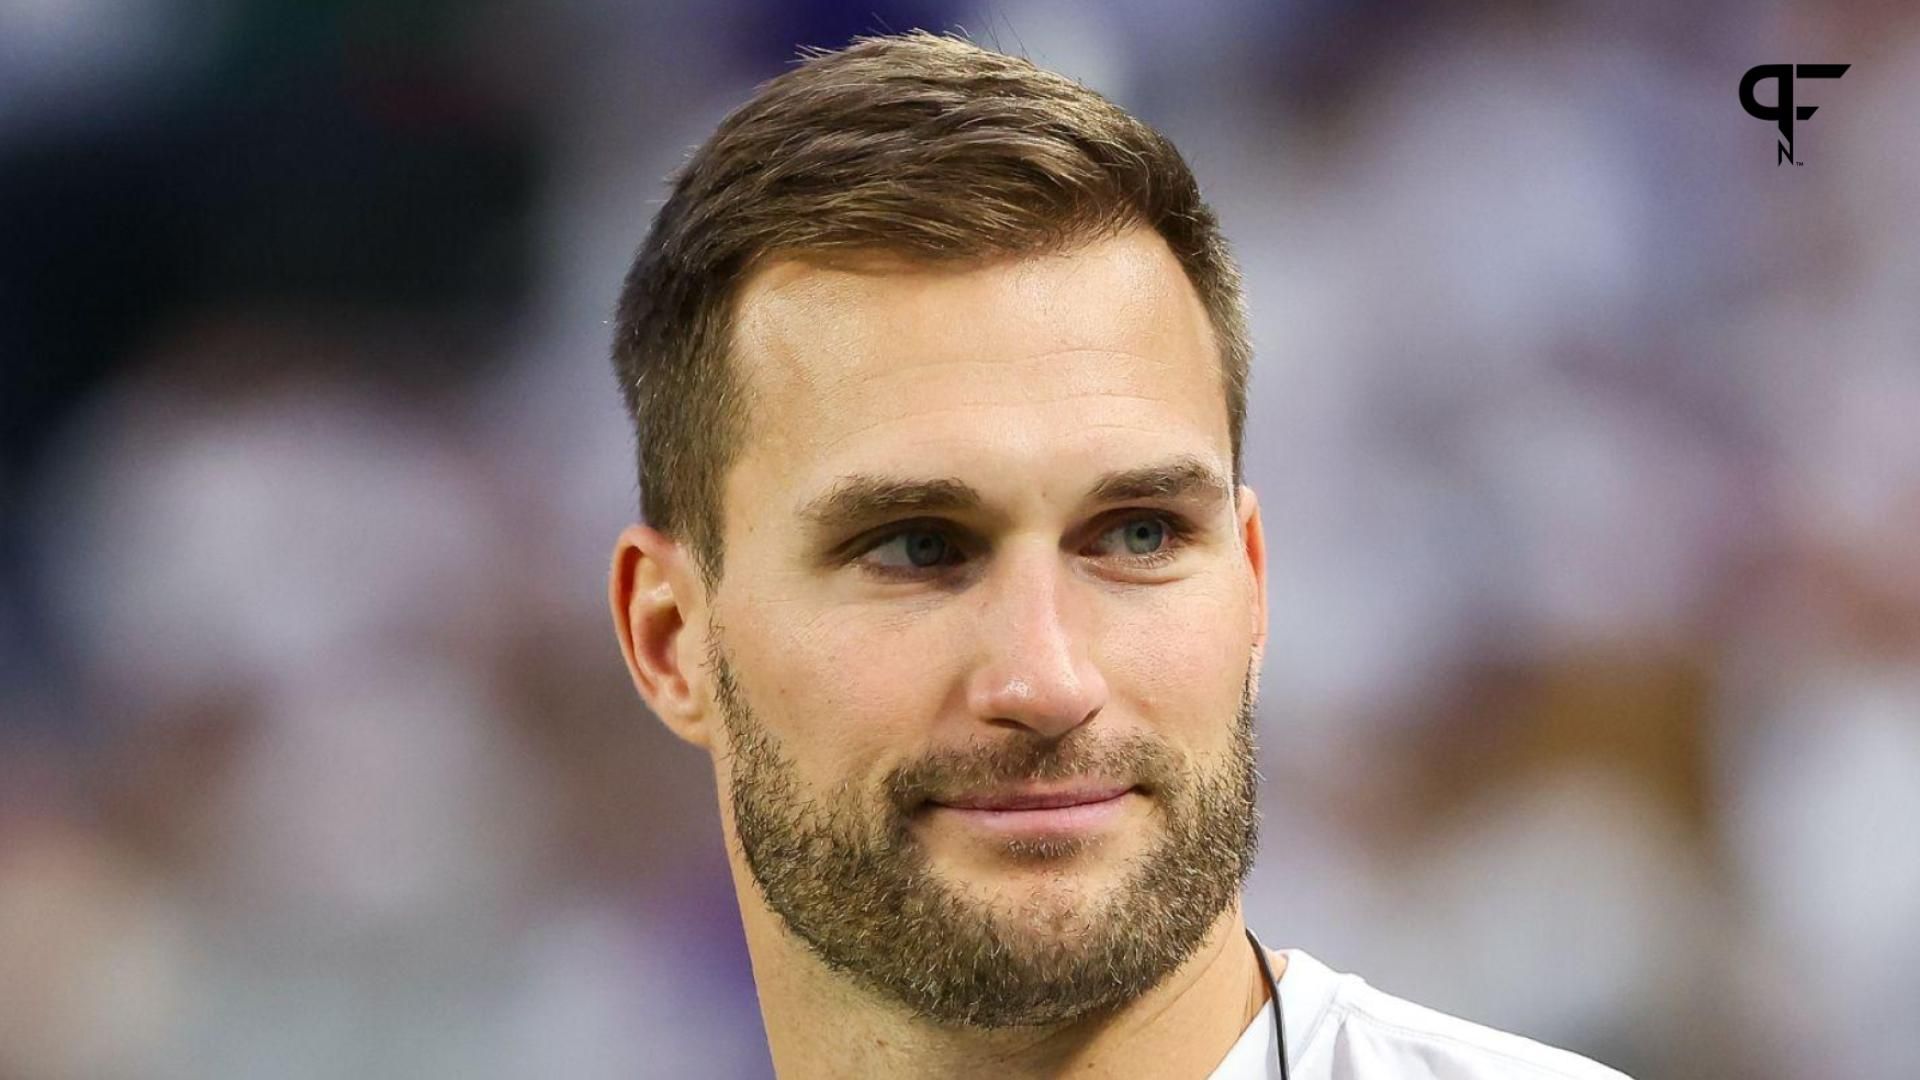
(1033, 814)
(1036, 798)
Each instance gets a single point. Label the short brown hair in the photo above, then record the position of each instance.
(917, 145)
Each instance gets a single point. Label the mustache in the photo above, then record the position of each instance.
(1143, 761)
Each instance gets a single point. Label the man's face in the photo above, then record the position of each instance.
(982, 541)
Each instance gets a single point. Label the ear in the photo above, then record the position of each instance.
(657, 595)
(1254, 540)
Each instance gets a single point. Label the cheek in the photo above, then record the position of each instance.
(1181, 658)
(843, 690)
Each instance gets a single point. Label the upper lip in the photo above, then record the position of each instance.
(1032, 797)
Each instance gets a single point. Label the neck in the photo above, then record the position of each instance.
(821, 1025)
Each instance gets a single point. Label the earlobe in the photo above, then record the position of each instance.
(651, 592)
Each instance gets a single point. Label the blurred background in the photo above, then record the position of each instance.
(1585, 432)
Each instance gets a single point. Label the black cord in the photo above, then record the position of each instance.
(1273, 995)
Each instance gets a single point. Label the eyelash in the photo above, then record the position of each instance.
(1179, 531)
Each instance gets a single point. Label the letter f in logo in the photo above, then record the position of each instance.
(1782, 112)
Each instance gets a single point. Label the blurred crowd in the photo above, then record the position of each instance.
(1585, 435)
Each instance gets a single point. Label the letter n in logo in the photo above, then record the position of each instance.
(1782, 111)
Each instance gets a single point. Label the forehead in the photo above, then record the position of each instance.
(1035, 367)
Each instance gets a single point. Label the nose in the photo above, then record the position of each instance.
(1036, 670)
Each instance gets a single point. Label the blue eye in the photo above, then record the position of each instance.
(929, 550)
(1144, 536)
(924, 548)
(1148, 540)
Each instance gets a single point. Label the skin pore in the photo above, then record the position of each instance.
(983, 534)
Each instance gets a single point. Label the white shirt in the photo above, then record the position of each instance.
(1339, 1028)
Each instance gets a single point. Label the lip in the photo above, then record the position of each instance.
(1017, 799)
(1071, 815)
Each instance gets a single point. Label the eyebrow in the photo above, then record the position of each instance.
(860, 498)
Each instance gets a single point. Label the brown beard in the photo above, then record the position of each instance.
(855, 885)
